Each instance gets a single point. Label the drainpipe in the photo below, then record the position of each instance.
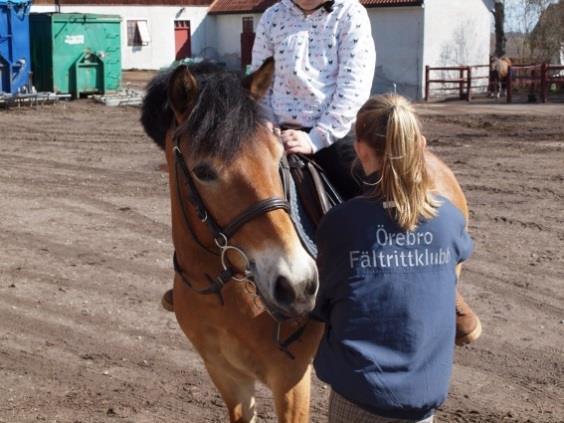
(421, 54)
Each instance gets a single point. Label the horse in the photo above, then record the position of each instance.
(234, 239)
(499, 74)
(241, 272)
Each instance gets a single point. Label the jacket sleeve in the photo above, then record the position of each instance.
(263, 48)
(357, 56)
(463, 243)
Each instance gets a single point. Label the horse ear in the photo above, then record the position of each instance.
(258, 83)
(182, 92)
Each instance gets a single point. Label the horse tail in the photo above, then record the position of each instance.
(156, 114)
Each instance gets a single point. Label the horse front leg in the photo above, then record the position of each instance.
(237, 391)
(291, 398)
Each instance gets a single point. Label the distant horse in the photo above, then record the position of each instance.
(234, 239)
(499, 75)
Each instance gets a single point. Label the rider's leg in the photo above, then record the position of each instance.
(337, 160)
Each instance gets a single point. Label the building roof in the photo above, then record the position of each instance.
(125, 2)
(259, 6)
(391, 3)
(240, 6)
(217, 6)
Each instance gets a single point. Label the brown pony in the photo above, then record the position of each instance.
(223, 163)
(500, 68)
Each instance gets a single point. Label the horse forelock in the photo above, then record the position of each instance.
(223, 118)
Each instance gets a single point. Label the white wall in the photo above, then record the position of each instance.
(457, 33)
(225, 30)
(398, 34)
(160, 19)
(399, 55)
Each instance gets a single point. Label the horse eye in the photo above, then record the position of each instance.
(204, 173)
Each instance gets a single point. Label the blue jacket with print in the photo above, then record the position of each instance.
(388, 299)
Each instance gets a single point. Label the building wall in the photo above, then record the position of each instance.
(457, 33)
(399, 55)
(227, 32)
(443, 33)
(397, 34)
(160, 20)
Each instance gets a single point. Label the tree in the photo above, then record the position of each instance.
(536, 28)
(547, 38)
(500, 39)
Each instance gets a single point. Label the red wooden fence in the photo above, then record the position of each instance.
(463, 81)
(537, 78)
(528, 76)
(549, 78)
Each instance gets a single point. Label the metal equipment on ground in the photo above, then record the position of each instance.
(15, 63)
(76, 53)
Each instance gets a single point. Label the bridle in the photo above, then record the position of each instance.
(222, 237)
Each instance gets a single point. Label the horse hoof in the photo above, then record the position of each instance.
(167, 301)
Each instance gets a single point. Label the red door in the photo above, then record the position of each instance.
(182, 39)
(247, 41)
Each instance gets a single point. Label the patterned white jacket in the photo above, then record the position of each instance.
(324, 66)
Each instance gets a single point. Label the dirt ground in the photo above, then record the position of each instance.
(86, 254)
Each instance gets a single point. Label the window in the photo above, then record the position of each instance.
(182, 24)
(138, 33)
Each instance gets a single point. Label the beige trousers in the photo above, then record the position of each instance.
(342, 410)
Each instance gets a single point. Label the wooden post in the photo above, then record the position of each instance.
(490, 84)
(427, 71)
(461, 83)
(532, 96)
(509, 85)
(544, 83)
(469, 84)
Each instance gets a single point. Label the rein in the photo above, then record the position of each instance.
(222, 236)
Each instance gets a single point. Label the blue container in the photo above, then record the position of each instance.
(15, 63)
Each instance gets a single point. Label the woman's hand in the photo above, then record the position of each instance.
(296, 142)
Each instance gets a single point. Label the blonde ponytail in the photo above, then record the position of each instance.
(388, 124)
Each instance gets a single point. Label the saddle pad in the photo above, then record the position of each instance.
(303, 224)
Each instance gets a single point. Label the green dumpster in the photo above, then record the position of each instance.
(75, 53)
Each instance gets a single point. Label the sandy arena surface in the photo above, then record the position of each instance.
(86, 254)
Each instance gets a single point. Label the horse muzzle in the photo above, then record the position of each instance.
(287, 285)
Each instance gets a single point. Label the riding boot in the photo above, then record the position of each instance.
(168, 301)
(468, 326)
(337, 163)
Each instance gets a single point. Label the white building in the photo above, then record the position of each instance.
(409, 34)
(152, 32)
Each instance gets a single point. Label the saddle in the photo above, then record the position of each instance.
(315, 192)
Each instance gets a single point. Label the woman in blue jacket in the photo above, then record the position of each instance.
(388, 283)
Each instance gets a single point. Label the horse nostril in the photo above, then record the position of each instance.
(284, 291)
(311, 287)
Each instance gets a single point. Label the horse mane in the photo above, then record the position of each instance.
(223, 116)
